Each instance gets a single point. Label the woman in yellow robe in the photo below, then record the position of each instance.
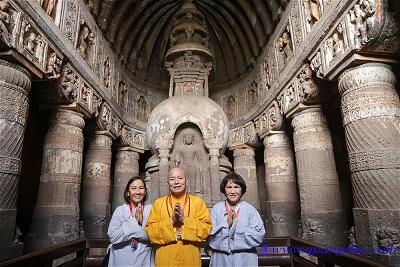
(178, 246)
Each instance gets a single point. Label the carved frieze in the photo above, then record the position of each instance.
(270, 120)
(244, 135)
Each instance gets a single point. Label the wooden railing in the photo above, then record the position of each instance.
(44, 257)
(276, 251)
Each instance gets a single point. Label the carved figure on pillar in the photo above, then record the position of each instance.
(275, 117)
(106, 79)
(123, 95)
(85, 37)
(253, 95)
(338, 46)
(51, 4)
(309, 92)
(141, 113)
(31, 42)
(329, 50)
(54, 66)
(360, 17)
(4, 20)
(231, 103)
(312, 13)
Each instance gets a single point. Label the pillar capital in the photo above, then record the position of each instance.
(361, 77)
(67, 117)
(15, 75)
(276, 139)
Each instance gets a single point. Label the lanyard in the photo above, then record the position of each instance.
(227, 210)
(169, 199)
(131, 209)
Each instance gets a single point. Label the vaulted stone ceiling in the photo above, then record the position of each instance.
(139, 31)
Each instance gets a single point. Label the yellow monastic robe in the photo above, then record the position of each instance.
(196, 228)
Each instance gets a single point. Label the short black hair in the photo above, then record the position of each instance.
(236, 178)
(126, 192)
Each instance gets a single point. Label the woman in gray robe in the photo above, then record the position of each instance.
(130, 245)
(237, 227)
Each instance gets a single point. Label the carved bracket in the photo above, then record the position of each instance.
(244, 135)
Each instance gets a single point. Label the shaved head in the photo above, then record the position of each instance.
(177, 181)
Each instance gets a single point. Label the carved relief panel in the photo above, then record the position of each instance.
(123, 95)
(75, 91)
(266, 72)
(360, 20)
(270, 120)
(289, 97)
(335, 45)
(230, 107)
(69, 24)
(85, 43)
(297, 32)
(32, 43)
(52, 9)
(312, 13)
(8, 19)
(252, 94)
(284, 47)
(244, 135)
(141, 105)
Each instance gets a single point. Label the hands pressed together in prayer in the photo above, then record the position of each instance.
(177, 216)
(139, 214)
(231, 216)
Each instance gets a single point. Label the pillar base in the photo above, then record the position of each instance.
(283, 221)
(324, 227)
(52, 226)
(377, 228)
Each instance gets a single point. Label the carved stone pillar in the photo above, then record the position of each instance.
(164, 170)
(56, 215)
(371, 119)
(126, 166)
(322, 215)
(244, 164)
(215, 176)
(283, 208)
(96, 186)
(14, 88)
